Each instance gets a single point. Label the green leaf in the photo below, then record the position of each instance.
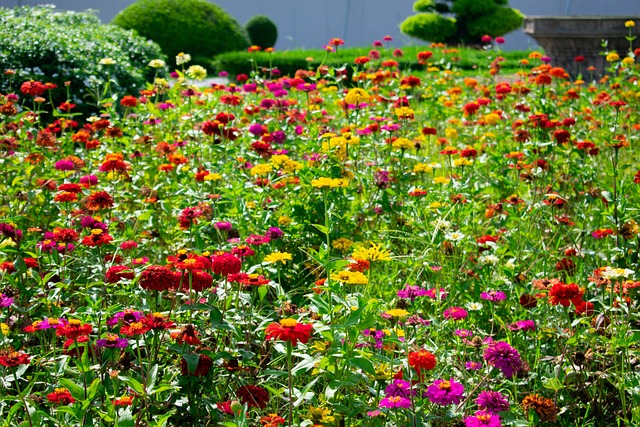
(76, 391)
(321, 228)
(134, 384)
(553, 384)
(262, 292)
(363, 364)
(93, 389)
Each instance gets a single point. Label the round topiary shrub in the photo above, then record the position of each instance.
(42, 44)
(429, 26)
(262, 31)
(196, 27)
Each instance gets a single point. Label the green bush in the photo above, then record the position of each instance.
(288, 62)
(470, 21)
(262, 31)
(500, 21)
(429, 26)
(40, 43)
(196, 27)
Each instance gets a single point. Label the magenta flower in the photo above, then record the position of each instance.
(445, 392)
(112, 341)
(455, 313)
(64, 165)
(522, 325)
(412, 292)
(392, 402)
(472, 365)
(492, 402)
(482, 419)
(501, 355)
(5, 301)
(493, 296)
(400, 388)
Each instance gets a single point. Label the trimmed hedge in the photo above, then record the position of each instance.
(196, 27)
(288, 62)
(40, 43)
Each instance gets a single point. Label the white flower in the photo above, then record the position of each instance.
(616, 273)
(488, 259)
(473, 306)
(157, 63)
(455, 236)
(182, 58)
(107, 61)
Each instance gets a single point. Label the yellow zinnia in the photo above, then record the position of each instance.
(274, 257)
(373, 253)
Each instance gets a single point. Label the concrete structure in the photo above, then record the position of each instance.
(310, 24)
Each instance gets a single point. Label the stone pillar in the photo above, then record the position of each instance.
(565, 37)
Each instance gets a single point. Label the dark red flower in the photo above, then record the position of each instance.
(118, 272)
(12, 358)
(202, 368)
(158, 278)
(253, 396)
(225, 264)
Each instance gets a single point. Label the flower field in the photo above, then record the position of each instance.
(382, 249)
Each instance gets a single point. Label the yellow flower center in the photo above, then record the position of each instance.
(445, 385)
(288, 323)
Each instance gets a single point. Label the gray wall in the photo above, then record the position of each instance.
(312, 23)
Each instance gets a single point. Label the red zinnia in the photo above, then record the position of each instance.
(12, 359)
(118, 272)
(253, 396)
(60, 396)
(225, 264)
(99, 200)
(158, 278)
(74, 329)
(564, 294)
(187, 334)
(422, 360)
(289, 330)
(202, 368)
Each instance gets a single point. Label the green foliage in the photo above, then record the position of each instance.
(262, 31)
(288, 62)
(196, 27)
(429, 26)
(472, 19)
(499, 22)
(42, 44)
(424, 6)
(469, 8)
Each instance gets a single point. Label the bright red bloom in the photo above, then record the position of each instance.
(564, 294)
(12, 358)
(422, 360)
(74, 329)
(32, 88)
(200, 280)
(225, 264)
(272, 420)
(158, 278)
(118, 272)
(99, 200)
(123, 401)
(129, 101)
(289, 330)
(60, 396)
(97, 238)
(157, 321)
(134, 329)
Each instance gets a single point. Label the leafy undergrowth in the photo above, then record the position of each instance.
(399, 251)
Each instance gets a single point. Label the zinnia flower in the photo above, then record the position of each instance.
(544, 407)
(11, 359)
(60, 396)
(422, 360)
(157, 278)
(443, 392)
(253, 396)
(392, 402)
(289, 330)
(501, 355)
(483, 419)
(492, 402)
